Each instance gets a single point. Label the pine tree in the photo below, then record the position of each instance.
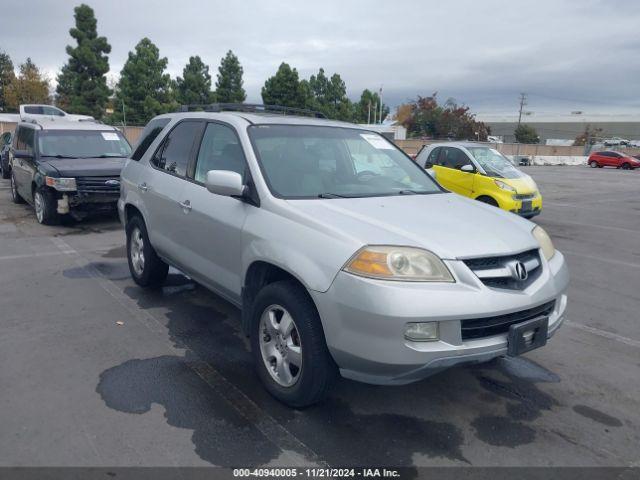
(144, 88)
(229, 84)
(285, 88)
(330, 96)
(29, 87)
(7, 76)
(82, 84)
(368, 108)
(195, 85)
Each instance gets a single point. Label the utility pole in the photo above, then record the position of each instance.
(523, 102)
(369, 114)
(380, 117)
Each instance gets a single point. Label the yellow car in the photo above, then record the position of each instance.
(481, 172)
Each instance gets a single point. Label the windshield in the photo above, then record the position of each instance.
(326, 162)
(494, 163)
(82, 144)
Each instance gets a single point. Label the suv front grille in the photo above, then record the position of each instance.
(98, 185)
(486, 327)
(500, 272)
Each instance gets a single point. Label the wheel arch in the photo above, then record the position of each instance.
(259, 274)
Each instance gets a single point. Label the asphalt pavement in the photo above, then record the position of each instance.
(95, 371)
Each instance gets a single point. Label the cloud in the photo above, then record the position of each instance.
(573, 54)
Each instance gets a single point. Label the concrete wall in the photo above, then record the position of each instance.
(567, 130)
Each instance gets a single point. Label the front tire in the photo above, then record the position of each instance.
(593, 164)
(147, 269)
(288, 345)
(488, 201)
(626, 166)
(44, 203)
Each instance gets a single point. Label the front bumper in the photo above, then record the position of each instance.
(507, 202)
(74, 202)
(364, 320)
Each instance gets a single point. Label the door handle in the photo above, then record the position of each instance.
(186, 205)
(143, 186)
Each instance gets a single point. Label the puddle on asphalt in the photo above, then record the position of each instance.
(342, 432)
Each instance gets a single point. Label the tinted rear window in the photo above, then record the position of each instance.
(148, 135)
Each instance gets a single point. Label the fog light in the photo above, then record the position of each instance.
(421, 332)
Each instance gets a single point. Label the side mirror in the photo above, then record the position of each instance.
(22, 154)
(467, 168)
(225, 182)
(428, 165)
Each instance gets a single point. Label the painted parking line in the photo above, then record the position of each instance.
(611, 261)
(32, 255)
(236, 398)
(605, 334)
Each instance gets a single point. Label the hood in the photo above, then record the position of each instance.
(87, 167)
(447, 224)
(522, 185)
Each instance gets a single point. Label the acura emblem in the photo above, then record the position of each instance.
(112, 183)
(520, 271)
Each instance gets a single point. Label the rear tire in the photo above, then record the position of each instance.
(6, 173)
(45, 205)
(307, 377)
(146, 267)
(593, 164)
(15, 196)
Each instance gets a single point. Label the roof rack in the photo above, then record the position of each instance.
(251, 108)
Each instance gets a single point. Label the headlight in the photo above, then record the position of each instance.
(548, 250)
(61, 184)
(504, 186)
(398, 263)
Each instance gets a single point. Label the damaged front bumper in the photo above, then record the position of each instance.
(79, 205)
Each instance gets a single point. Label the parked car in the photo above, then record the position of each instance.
(615, 141)
(482, 173)
(66, 167)
(5, 146)
(634, 143)
(48, 111)
(343, 254)
(613, 159)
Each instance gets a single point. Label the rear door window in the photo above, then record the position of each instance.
(148, 135)
(176, 150)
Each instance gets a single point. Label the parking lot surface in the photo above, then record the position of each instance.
(173, 384)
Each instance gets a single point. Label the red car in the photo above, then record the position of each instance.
(613, 159)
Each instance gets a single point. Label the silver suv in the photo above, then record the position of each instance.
(343, 254)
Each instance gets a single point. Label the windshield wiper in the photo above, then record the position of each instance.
(413, 192)
(331, 195)
(109, 155)
(58, 156)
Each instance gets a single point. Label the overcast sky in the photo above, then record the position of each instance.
(573, 55)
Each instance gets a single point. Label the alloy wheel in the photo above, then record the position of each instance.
(280, 345)
(38, 201)
(137, 251)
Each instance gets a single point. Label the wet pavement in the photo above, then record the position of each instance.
(173, 385)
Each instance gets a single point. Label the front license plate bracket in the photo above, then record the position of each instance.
(527, 336)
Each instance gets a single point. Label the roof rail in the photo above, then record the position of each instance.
(251, 108)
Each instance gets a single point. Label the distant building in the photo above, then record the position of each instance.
(564, 126)
(392, 131)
